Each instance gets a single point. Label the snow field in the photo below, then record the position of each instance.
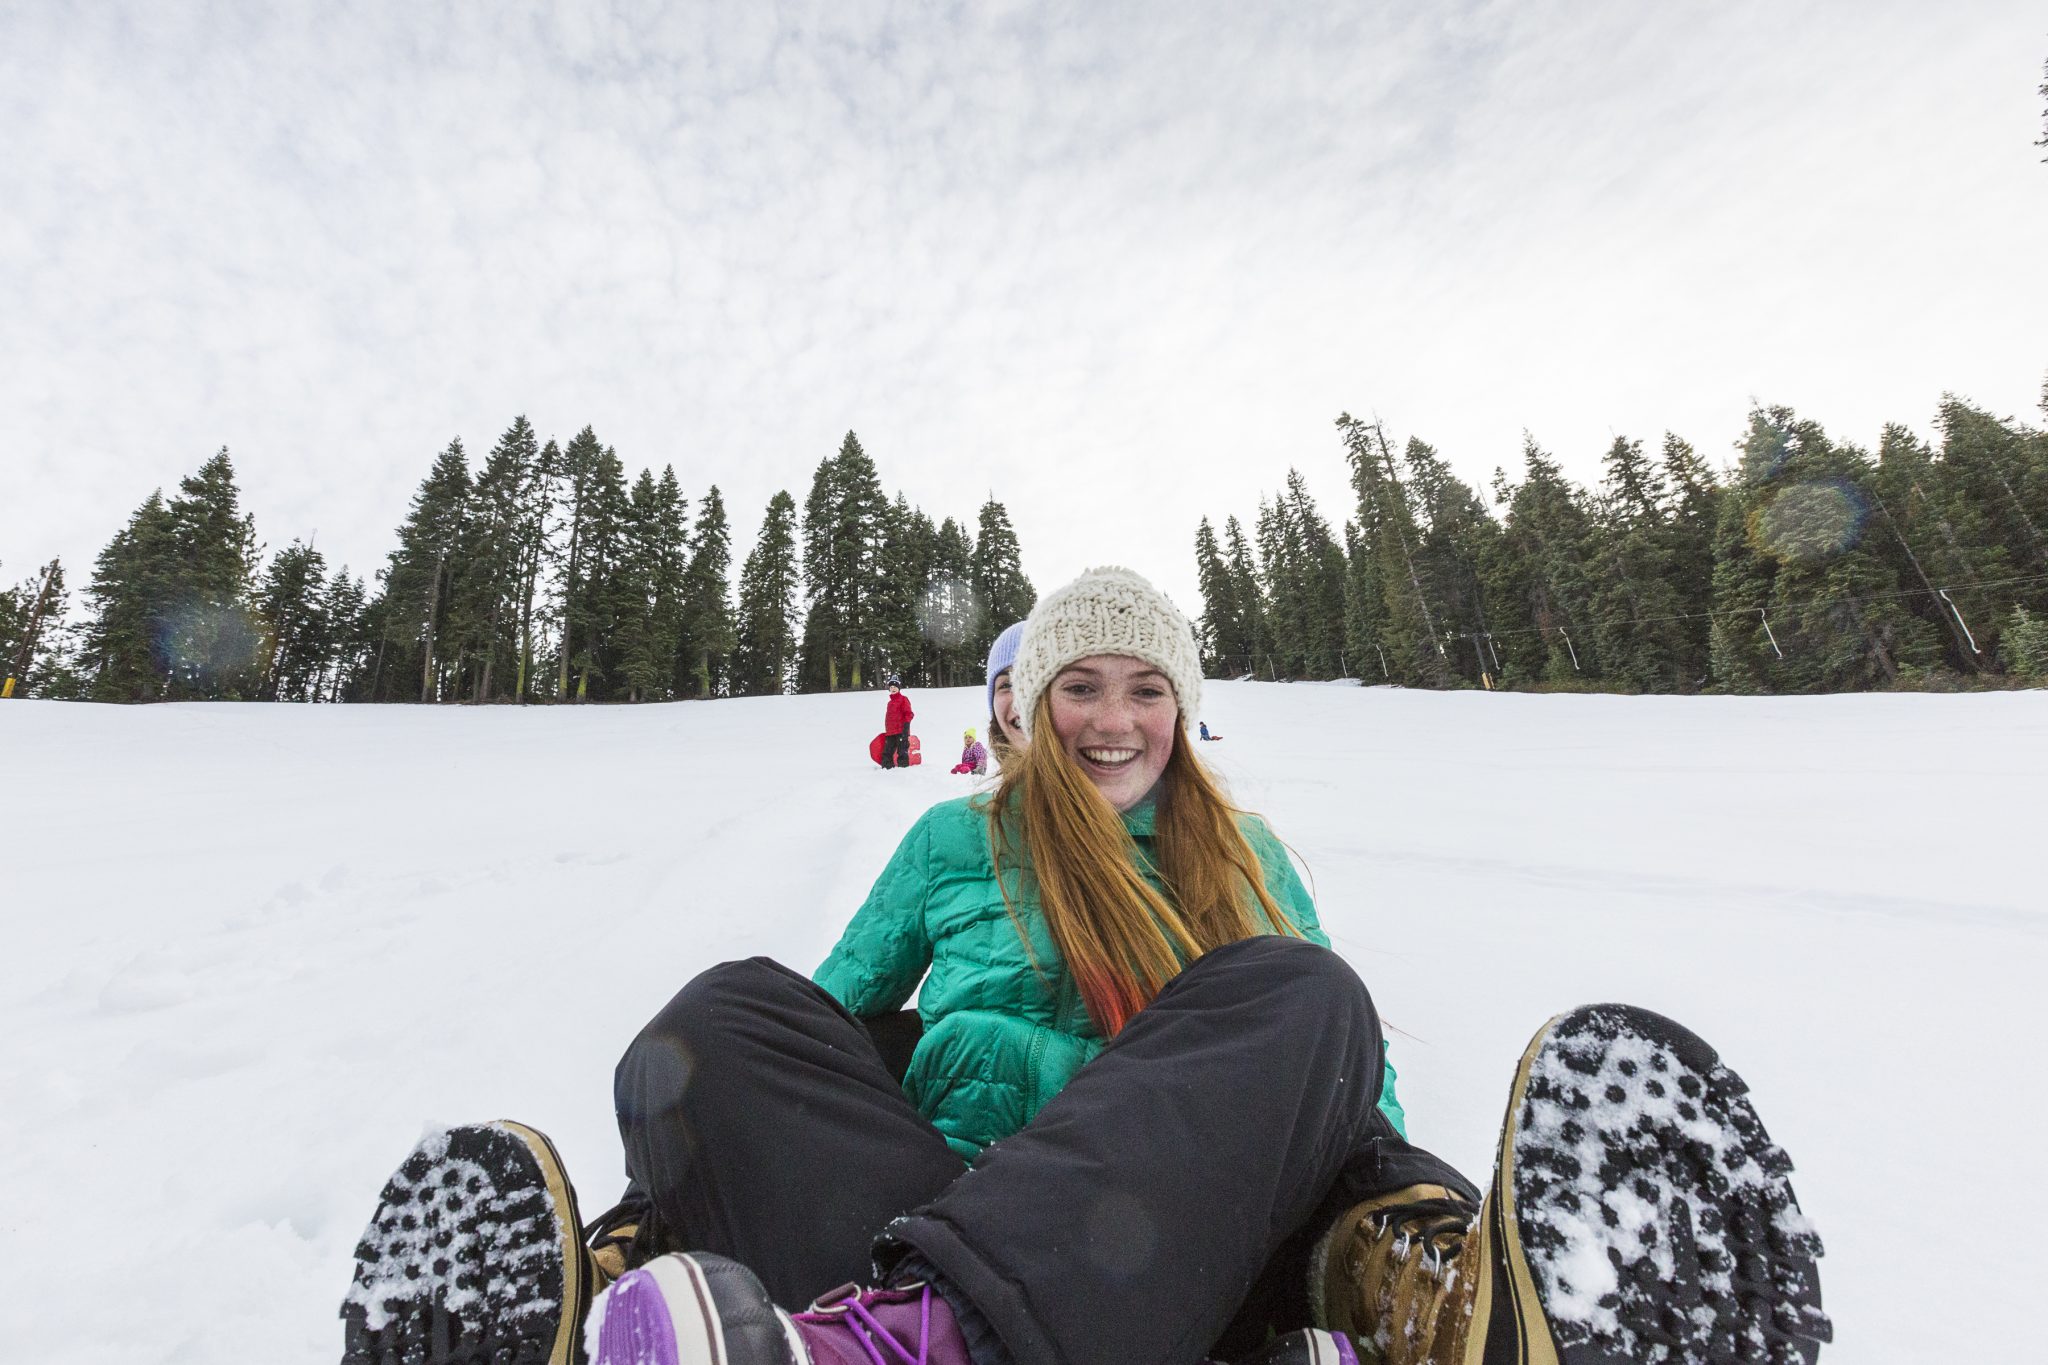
(256, 951)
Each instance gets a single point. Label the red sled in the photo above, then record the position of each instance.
(875, 750)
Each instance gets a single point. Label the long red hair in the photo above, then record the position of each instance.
(1122, 939)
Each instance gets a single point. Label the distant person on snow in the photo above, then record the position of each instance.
(896, 727)
(1002, 708)
(1172, 1094)
(973, 758)
(1205, 732)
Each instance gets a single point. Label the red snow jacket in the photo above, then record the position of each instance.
(899, 715)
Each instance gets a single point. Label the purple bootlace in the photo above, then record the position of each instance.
(867, 1328)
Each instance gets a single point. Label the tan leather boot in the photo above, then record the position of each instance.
(1638, 1212)
(1395, 1273)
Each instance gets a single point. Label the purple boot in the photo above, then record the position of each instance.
(701, 1309)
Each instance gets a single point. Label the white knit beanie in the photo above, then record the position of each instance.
(1109, 610)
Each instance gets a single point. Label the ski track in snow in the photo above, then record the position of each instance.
(254, 952)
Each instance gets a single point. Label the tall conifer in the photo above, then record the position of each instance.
(997, 573)
(765, 645)
(708, 632)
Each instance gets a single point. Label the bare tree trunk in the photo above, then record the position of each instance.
(433, 618)
(26, 655)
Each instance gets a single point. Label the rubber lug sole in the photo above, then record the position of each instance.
(474, 1257)
(1639, 1211)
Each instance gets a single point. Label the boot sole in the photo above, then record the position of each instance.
(1639, 1211)
(691, 1309)
(474, 1257)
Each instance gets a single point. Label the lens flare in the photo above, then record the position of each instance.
(947, 612)
(1808, 521)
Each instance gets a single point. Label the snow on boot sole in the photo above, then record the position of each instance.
(474, 1257)
(1639, 1212)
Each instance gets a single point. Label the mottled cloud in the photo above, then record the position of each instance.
(1120, 264)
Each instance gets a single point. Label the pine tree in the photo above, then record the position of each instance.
(351, 640)
(1457, 540)
(1993, 479)
(842, 534)
(291, 605)
(211, 639)
(34, 640)
(416, 581)
(1408, 635)
(1635, 601)
(1835, 608)
(1695, 496)
(490, 561)
(996, 572)
(1253, 643)
(602, 591)
(765, 647)
(708, 635)
(669, 576)
(1277, 588)
(948, 614)
(902, 564)
(580, 459)
(1543, 571)
(132, 587)
(1220, 626)
(646, 658)
(2026, 644)
(534, 529)
(1365, 607)
(1922, 536)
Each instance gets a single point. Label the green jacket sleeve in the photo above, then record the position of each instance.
(1283, 884)
(885, 951)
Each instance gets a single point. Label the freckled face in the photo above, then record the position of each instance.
(1117, 719)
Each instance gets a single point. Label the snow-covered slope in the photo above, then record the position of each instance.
(251, 950)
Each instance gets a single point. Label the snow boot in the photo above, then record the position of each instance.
(475, 1257)
(615, 1240)
(1394, 1272)
(703, 1309)
(1638, 1212)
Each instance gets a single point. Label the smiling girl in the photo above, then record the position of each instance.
(1148, 1120)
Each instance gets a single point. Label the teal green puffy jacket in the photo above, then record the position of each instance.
(1000, 1038)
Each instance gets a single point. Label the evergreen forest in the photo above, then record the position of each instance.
(1810, 565)
(541, 574)
(544, 574)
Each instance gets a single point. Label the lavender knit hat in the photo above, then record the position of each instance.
(1001, 655)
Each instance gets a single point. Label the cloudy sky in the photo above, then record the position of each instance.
(1121, 265)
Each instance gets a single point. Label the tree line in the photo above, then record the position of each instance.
(1811, 565)
(542, 574)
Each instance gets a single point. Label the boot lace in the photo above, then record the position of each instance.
(1439, 1225)
(868, 1330)
(1403, 1264)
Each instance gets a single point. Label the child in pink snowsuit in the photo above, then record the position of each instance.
(973, 759)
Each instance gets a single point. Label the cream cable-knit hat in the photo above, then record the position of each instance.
(1110, 610)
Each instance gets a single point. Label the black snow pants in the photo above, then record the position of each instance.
(1162, 1206)
(896, 750)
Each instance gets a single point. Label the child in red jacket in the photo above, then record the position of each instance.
(896, 727)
